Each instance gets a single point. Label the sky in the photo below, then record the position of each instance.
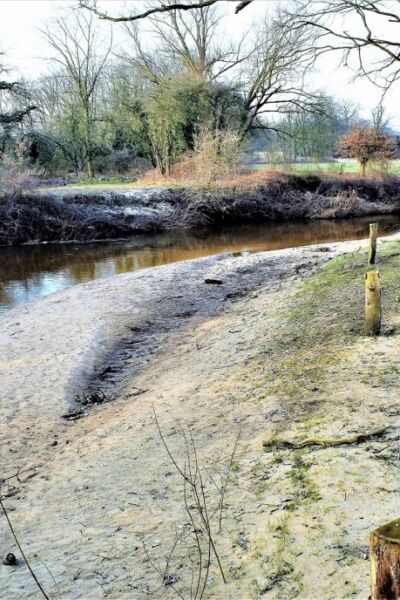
(20, 38)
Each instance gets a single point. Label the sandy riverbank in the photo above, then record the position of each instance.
(208, 355)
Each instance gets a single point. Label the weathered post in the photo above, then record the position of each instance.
(373, 310)
(384, 551)
(373, 234)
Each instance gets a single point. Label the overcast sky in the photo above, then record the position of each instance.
(20, 22)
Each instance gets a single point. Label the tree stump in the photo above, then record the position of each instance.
(384, 548)
(373, 234)
(373, 310)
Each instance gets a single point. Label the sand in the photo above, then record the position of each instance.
(92, 491)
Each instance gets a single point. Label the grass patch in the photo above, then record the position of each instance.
(349, 166)
(324, 321)
(306, 491)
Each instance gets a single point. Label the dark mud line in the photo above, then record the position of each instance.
(174, 312)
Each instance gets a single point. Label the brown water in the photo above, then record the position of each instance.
(31, 272)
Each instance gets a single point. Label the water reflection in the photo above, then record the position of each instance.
(30, 272)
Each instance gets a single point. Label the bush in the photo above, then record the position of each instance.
(367, 144)
(216, 154)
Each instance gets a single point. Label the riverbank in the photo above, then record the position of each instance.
(267, 346)
(65, 214)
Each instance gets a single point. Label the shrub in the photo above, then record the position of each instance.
(216, 154)
(367, 144)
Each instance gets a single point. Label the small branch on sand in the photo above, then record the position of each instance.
(19, 472)
(12, 530)
(276, 444)
(198, 538)
(21, 550)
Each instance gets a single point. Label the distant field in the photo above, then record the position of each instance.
(342, 166)
(334, 168)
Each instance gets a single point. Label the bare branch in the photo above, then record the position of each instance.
(365, 34)
(163, 7)
(16, 116)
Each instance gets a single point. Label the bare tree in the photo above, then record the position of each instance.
(148, 63)
(379, 119)
(354, 27)
(269, 71)
(191, 40)
(82, 52)
(161, 6)
(274, 78)
(57, 119)
(188, 42)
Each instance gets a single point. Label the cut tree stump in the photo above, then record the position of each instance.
(373, 234)
(373, 310)
(384, 548)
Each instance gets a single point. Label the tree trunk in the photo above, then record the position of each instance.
(363, 165)
(88, 140)
(373, 312)
(373, 234)
(89, 167)
(384, 547)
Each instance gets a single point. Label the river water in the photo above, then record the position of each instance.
(34, 271)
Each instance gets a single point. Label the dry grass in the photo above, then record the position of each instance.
(184, 175)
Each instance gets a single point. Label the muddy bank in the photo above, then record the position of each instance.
(239, 353)
(83, 215)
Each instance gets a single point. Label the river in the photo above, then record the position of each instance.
(34, 271)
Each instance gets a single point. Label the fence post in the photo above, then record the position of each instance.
(384, 551)
(373, 310)
(373, 234)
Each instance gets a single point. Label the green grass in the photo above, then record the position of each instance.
(350, 166)
(306, 490)
(324, 321)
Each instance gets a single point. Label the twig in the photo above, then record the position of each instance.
(22, 552)
(18, 473)
(52, 576)
(197, 507)
(158, 570)
(223, 488)
(203, 510)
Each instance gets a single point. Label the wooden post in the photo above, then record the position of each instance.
(384, 551)
(373, 310)
(373, 234)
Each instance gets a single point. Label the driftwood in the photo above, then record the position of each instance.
(279, 444)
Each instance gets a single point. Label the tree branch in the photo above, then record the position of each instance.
(162, 8)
